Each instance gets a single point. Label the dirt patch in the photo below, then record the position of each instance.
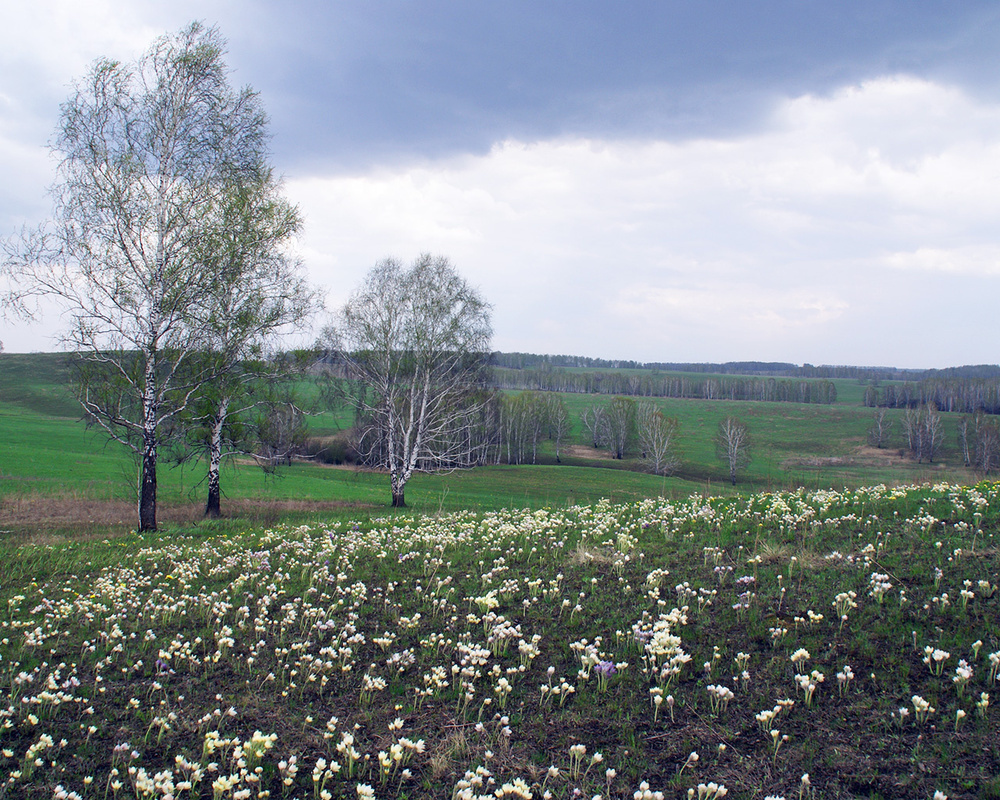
(32, 514)
(583, 451)
(32, 510)
(862, 456)
(881, 456)
(819, 462)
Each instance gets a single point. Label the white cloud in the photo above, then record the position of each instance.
(971, 260)
(770, 245)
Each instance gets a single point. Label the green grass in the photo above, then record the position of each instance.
(48, 451)
(38, 382)
(310, 633)
(795, 444)
(151, 639)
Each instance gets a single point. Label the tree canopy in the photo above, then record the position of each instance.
(154, 156)
(417, 342)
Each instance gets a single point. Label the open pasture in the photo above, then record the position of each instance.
(673, 647)
(794, 444)
(51, 463)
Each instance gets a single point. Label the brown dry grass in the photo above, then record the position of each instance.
(587, 554)
(45, 518)
(584, 451)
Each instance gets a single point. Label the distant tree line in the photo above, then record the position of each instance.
(962, 395)
(777, 369)
(657, 384)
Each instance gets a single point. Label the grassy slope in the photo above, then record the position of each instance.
(151, 639)
(47, 450)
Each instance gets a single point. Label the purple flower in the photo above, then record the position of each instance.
(605, 668)
(163, 667)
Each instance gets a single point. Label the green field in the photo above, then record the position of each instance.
(511, 634)
(47, 451)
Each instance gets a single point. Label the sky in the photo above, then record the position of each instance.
(782, 180)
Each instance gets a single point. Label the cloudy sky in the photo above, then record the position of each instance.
(661, 181)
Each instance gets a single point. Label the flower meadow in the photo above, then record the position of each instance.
(812, 644)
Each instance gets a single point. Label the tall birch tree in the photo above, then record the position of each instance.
(260, 293)
(147, 151)
(418, 341)
(619, 416)
(657, 438)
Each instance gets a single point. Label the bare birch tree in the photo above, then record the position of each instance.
(963, 430)
(619, 416)
(733, 444)
(933, 432)
(922, 426)
(657, 438)
(418, 340)
(913, 430)
(558, 421)
(987, 452)
(881, 427)
(147, 150)
(595, 421)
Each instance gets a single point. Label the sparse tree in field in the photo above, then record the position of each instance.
(881, 428)
(733, 445)
(148, 151)
(913, 429)
(418, 340)
(619, 416)
(557, 416)
(987, 449)
(657, 435)
(922, 426)
(963, 440)
(595, 421)
(933, 431)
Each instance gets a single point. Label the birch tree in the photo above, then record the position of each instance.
(732, 445)
(922, 426)
(557, 417)
(595, 421)
(657, 438)
(987, 447)
(147, 150)
(418, 340)
(962, 429)
(619, 416)
(260, 294)
(881, 427)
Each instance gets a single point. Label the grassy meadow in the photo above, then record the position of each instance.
(829, 629)
(50, 458)
(807, 644)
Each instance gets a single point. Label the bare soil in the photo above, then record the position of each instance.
(38, 515)
(863, 456)
(584, 451)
